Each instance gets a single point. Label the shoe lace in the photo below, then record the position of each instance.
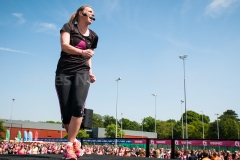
(76, 146)
(69, 149)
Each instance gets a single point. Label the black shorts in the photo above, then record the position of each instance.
(72, 92)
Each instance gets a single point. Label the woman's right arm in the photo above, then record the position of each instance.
(67, 48)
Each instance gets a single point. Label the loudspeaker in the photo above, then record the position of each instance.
(87, 119)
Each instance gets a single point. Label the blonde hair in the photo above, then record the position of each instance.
(157, 153)
(74, 16)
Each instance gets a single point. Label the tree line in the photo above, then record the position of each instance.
(226, 126)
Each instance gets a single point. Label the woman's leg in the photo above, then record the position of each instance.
(80, 91)
(63, 84)
(73, 128)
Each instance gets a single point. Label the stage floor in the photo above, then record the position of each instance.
(59, 156)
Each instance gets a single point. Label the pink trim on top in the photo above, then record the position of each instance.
(81, 45)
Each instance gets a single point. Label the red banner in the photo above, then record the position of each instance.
(191, 142)
(167, 142)
(208, 143)
(138, 141)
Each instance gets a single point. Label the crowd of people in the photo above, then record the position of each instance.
(206, 155)
(14, 147)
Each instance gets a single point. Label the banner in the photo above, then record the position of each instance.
(139, 141)
(167, 142)
(53, 139)
(208, 143)
(107, 140)
(7, 135)
(25, 136)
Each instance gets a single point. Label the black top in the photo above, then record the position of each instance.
(70, 64)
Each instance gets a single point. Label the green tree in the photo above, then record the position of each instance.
(126, 123)
(228, 128)
(135, 126)
(191, 117)
(177, 130)
(58, 122)
(212, 132)
(149, 124)
(194, 116)
(107, 120)
(2, 129)
(53, 122)
(110, 131)
(97, 121)
(195, 130)
(81, 134)
(171, 121)
(49, 122)
(164, 129)
(227, 124)
(205, 118)
(230, 114)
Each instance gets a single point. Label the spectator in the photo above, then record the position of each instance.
(205, 155)
(22, 150)
(215, 156)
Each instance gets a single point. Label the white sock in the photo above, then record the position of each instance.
(69, 143)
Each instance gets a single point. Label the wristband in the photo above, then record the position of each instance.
(80, 54)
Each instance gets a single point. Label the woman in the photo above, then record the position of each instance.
(22, 150)
(29, 149)
(74, 74)
(205, 155)
(215, 156)
(34, 149)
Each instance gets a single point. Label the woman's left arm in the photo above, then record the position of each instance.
(92, 77)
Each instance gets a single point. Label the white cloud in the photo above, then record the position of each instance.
(186, 7)
(218, 6)
(187, 45)
(12, 50)
(110, 7)
(46, 28)
(20, 17)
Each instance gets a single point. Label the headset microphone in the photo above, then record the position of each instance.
(92, 18)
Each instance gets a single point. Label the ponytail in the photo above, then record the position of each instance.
(72, 18)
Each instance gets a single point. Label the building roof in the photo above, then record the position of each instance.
(31, 124)
(100, 133)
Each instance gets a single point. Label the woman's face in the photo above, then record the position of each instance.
(90, 14)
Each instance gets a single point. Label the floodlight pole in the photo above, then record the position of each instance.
(155, 112)
(183, 57)
(116, 111)
(121, 124)
(11, 120)
(202, 125)
(182, 120)
(217, 125)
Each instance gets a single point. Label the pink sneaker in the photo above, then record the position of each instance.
(77, 148)
(68, 153)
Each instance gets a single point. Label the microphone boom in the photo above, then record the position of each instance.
(92, 18)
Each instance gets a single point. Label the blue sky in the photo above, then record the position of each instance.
(139, 41)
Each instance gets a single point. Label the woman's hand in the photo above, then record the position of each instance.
(87, 53)
(92, 78)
